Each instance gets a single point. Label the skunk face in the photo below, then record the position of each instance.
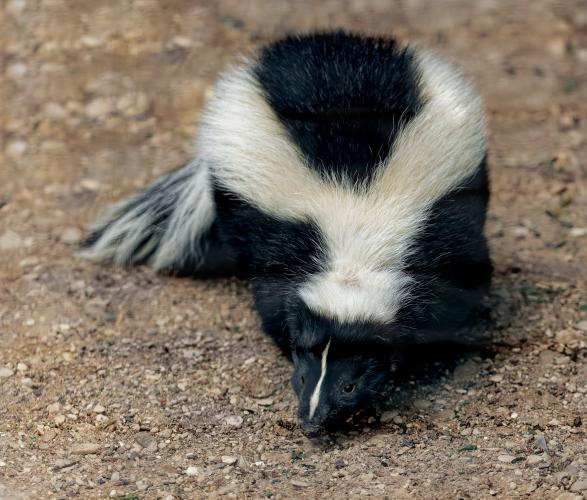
(346, 177)
(332, 386)
(338, 368)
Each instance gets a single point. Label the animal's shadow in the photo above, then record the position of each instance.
(427, 367)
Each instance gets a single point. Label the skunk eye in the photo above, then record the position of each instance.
(302, 379)
(350, 388)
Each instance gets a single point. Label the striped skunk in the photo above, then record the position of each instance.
(346, 177)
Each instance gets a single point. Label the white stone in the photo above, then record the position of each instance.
(71, 235)
(16, 149)
(16, 71)
(234, 421)
(192, 471)
(578, 232)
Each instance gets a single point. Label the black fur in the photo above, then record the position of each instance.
(342, 97)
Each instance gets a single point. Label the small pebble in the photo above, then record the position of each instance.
(16, 149)
(16, 71)
(299, 483)
(568, 336)
(85, 449)
(507, 459)
(421, 404)
(234, 421)
(62, 463)
(10, 241)
(98, 408)
(229, 460)
(71, 235)
(6, 372)
(534, 459)
(579, 485)
(192, 471)
(387, 416)
(98, 108)
(54, 408)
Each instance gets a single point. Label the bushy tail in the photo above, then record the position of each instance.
(168, 226)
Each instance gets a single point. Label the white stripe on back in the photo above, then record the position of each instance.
(368, 230)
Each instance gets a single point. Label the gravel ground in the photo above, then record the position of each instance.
(127, 384)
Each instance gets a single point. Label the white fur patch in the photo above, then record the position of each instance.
(192, 217)
(315, 398)
(130, 222)
(368, 231)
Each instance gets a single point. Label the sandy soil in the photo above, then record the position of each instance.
(126, 384)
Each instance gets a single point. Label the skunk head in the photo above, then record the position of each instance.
(337, 371)
(332, 384)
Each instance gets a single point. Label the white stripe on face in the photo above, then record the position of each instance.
(314, 400)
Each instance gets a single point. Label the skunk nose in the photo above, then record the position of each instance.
(311, 429)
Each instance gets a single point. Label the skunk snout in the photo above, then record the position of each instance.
(311, 429)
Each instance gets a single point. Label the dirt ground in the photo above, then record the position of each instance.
(127, 384)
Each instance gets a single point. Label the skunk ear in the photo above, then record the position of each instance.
(169, 226)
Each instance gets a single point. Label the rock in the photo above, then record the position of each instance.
(496, 378)
(387, 416)
(15, 7)
(506, 459)
(48, 436)
(540, 442)
(54, 111)
(582, 325)
(558, 47)
(298, 483)
(568, 496)
(98, 108)
(90, 184)
(265, 402)
(59, 420)
(421, 404)
(229, 460)
(568, 336)
(6, 372)
(580, 485)
(133, 105)
(91, 42)
(21, 367)
(520, 232)
(16, 149)
(10, 241)
(71, 235)
(16, 71)
(534, 459)
(99, 409)
(85, 449)
(192, 471)
(63, 463)
(578, 232)
(146, 440)
(54, 408)
(234, 421)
